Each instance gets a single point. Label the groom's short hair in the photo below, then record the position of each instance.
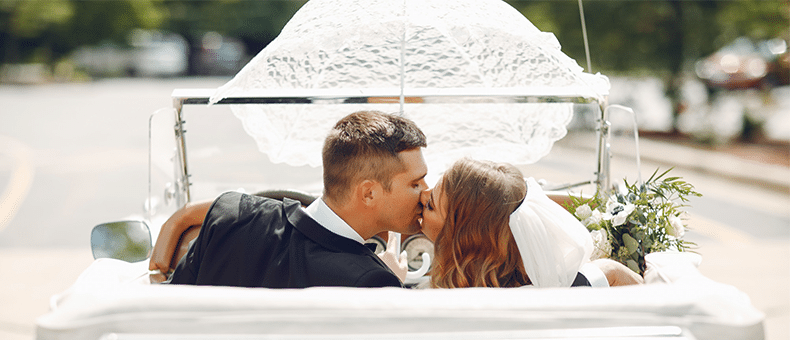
(364, 146)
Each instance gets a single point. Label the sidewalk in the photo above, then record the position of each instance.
(766, 166)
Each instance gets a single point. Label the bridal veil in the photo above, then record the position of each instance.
(553, 244)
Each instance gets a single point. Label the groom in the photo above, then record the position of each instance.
(373, 175)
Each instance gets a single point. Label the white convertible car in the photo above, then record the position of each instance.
(481, 81)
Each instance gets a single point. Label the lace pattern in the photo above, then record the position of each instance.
(360, 44)
(414, 44)
(515, 133)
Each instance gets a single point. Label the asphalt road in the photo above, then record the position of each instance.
(75, 155)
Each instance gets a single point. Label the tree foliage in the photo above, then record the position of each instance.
(46, 30)
(32, 18)
(255, 22)
(96, 21)
(655, 36)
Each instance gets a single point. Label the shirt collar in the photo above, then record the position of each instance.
(321, 213)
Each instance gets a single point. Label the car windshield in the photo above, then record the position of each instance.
(221, 156)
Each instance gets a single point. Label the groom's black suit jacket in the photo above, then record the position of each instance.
(252, 241)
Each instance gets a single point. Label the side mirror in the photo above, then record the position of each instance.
(129, 241)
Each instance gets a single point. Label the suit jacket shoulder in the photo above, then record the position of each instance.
(253, 241)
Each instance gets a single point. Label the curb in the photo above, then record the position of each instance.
(767, 176)
(763, 175)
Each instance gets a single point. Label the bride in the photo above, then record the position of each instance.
(491, 228)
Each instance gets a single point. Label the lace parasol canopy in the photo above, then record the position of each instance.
(475, 75)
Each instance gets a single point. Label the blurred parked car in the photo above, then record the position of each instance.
(158, 53)
(149, 54)
(105, 59)
(744, 64)
(218, 55)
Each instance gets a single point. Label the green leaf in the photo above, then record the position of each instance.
(630, 243)
(633, 266)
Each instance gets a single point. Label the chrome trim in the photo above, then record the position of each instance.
(182, 180)
(567, 186)
(603, 149)
(183, 97)
(375, 96)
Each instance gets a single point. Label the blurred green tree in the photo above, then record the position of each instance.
(97, 21)
(46, 30)
(24, 26)
(254, 21)
(654, 37)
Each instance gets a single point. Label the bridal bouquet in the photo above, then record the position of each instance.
(644, 218)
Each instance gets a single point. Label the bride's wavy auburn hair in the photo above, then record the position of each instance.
(475, 248)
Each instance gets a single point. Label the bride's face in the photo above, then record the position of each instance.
(434, 211)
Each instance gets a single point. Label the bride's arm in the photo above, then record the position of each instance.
(618, 274)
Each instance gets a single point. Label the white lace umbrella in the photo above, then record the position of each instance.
(473, 74)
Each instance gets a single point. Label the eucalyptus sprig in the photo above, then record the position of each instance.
(643, 218)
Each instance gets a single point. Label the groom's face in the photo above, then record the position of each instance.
(402, 209)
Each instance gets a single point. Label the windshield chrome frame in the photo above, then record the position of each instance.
(183, 97)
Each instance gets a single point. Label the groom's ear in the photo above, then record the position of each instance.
(368, 191)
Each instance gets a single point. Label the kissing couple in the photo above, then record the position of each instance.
(490, 226)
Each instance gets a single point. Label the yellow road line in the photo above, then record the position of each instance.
(20, 180)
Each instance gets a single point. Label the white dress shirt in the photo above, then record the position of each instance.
(594, 274)
(321, 213)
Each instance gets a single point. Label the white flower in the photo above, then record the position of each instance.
(676, 227)
(611, 204)
(601, 243)
(594, 218)
(617, 212)
(583, 212)
(622, 216)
